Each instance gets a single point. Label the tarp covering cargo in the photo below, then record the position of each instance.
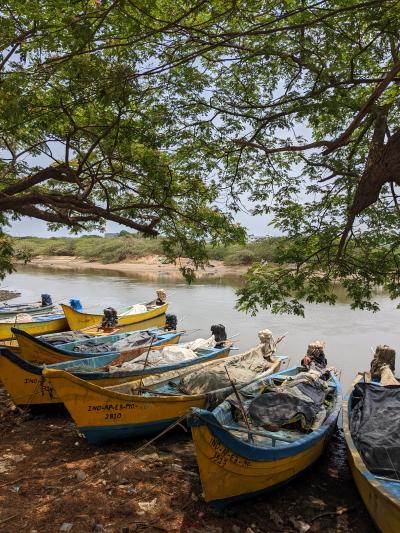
(297, 400)
(241, 371)
(375, 427)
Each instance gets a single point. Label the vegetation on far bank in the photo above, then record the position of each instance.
(126, 246)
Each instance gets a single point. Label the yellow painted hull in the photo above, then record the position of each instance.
(28, 388)
(104, 414)
(383, 508)
(33, 328)
(79, 320)
(97, 409)
(225, 475)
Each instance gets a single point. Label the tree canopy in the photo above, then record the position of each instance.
(84, 139)
(172, 107)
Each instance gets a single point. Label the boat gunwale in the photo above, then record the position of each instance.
(201, 417)
(358, 461)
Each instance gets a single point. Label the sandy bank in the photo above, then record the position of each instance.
(152, 266)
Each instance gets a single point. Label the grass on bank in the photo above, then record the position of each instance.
(123, 247)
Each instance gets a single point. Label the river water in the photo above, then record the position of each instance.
(349, 335)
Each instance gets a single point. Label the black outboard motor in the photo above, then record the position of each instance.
(219, 332)
(46, 300)
(171, 322)
(110, 318)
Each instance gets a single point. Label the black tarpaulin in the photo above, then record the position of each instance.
(375, 427)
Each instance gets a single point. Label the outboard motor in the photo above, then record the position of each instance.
(110, 318)
(46, 300)
(171, 322)
(76, 305)
(219, 332)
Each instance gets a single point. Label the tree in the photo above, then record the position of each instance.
(294, 103)
(297, 104)
(84, 139)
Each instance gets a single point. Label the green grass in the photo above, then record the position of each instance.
(120, 248)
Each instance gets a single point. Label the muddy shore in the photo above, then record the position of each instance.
(152, 265)
(51, 478)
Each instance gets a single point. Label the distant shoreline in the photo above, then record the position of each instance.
(151, 265)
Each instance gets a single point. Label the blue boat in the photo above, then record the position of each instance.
(236, 464)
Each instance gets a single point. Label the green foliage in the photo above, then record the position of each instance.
(164, 115)
(112, 250)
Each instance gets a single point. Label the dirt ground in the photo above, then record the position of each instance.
(51, 480)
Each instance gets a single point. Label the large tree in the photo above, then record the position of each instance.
(292, 102)
(85, 138)
(297, 105)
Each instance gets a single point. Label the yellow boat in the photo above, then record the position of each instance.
(27, 386)
(38, 351)
(80, 320)
(381, 496)
(122, 412)
(39, 325)
(234, 467)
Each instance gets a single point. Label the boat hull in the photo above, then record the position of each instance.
(104, 415)
(27, 386)
(232, 470)
(80, 320)
(382, 504)
(54, 325)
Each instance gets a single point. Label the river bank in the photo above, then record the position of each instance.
(152, 265)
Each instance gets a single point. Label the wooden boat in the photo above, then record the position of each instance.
(232, 468)
(39, 325)
(82, 320)
(381, 496)
(33, 308)
(126, 411)
(27, 386)
(36, 350)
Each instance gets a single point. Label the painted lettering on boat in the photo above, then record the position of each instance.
(223, 455)
(31, 380)
(112, 407)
